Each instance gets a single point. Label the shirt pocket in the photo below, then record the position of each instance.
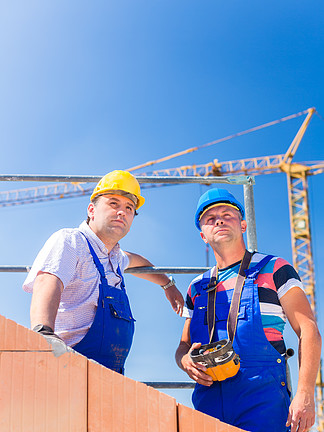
(200, 310)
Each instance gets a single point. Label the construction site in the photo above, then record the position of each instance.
(19, 344)
(182, 97)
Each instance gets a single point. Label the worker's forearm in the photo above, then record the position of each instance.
(159, 279)
(136, 260)
(43, 312)
(182, 350)
(309, 358)
(45, 301)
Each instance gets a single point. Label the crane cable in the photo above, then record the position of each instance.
(192, 149)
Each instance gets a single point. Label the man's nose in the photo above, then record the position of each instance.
(219, 222)
(121, 212)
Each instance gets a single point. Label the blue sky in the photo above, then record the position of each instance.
(88, 87)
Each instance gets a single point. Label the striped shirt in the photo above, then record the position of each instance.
(275, 279)
(66, 255)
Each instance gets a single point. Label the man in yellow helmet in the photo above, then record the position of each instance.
(77, 278)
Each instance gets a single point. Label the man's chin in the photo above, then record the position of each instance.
(222, 239)
(222, 235)
(118, 230)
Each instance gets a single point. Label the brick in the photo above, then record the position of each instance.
(119, 404)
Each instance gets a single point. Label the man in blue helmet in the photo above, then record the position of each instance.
(262, 290)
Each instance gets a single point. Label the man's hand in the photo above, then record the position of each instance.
(175, 298)
(58, 345)
(301, 415)
(45, 330)
(196, 371)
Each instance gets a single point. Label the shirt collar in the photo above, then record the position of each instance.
(95, 241)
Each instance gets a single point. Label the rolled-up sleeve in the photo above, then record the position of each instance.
(58, 257)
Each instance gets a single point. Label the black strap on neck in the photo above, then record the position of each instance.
(211, 304)
(235, 303)
(213, 279)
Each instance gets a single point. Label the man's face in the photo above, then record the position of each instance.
(222, 224)
(111, 217)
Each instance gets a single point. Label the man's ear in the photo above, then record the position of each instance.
(243, 226)
(91, 208)
(203, 237)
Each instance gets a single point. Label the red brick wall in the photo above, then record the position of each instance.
(43, 393)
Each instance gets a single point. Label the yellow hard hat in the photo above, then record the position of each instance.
(119, 181)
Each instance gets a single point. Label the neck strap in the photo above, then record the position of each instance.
(235, 303)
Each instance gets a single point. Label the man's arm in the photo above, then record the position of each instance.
(46, 299)
(172, 293)
(196, 371)
(301, 318)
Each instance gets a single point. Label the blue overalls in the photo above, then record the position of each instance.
(110, 336)
(256, 399)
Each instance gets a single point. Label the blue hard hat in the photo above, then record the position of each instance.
(214, 196)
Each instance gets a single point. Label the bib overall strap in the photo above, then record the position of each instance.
(211, 309)
(96, 260)
(122, 283)
(235, 303)
(255, 270)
